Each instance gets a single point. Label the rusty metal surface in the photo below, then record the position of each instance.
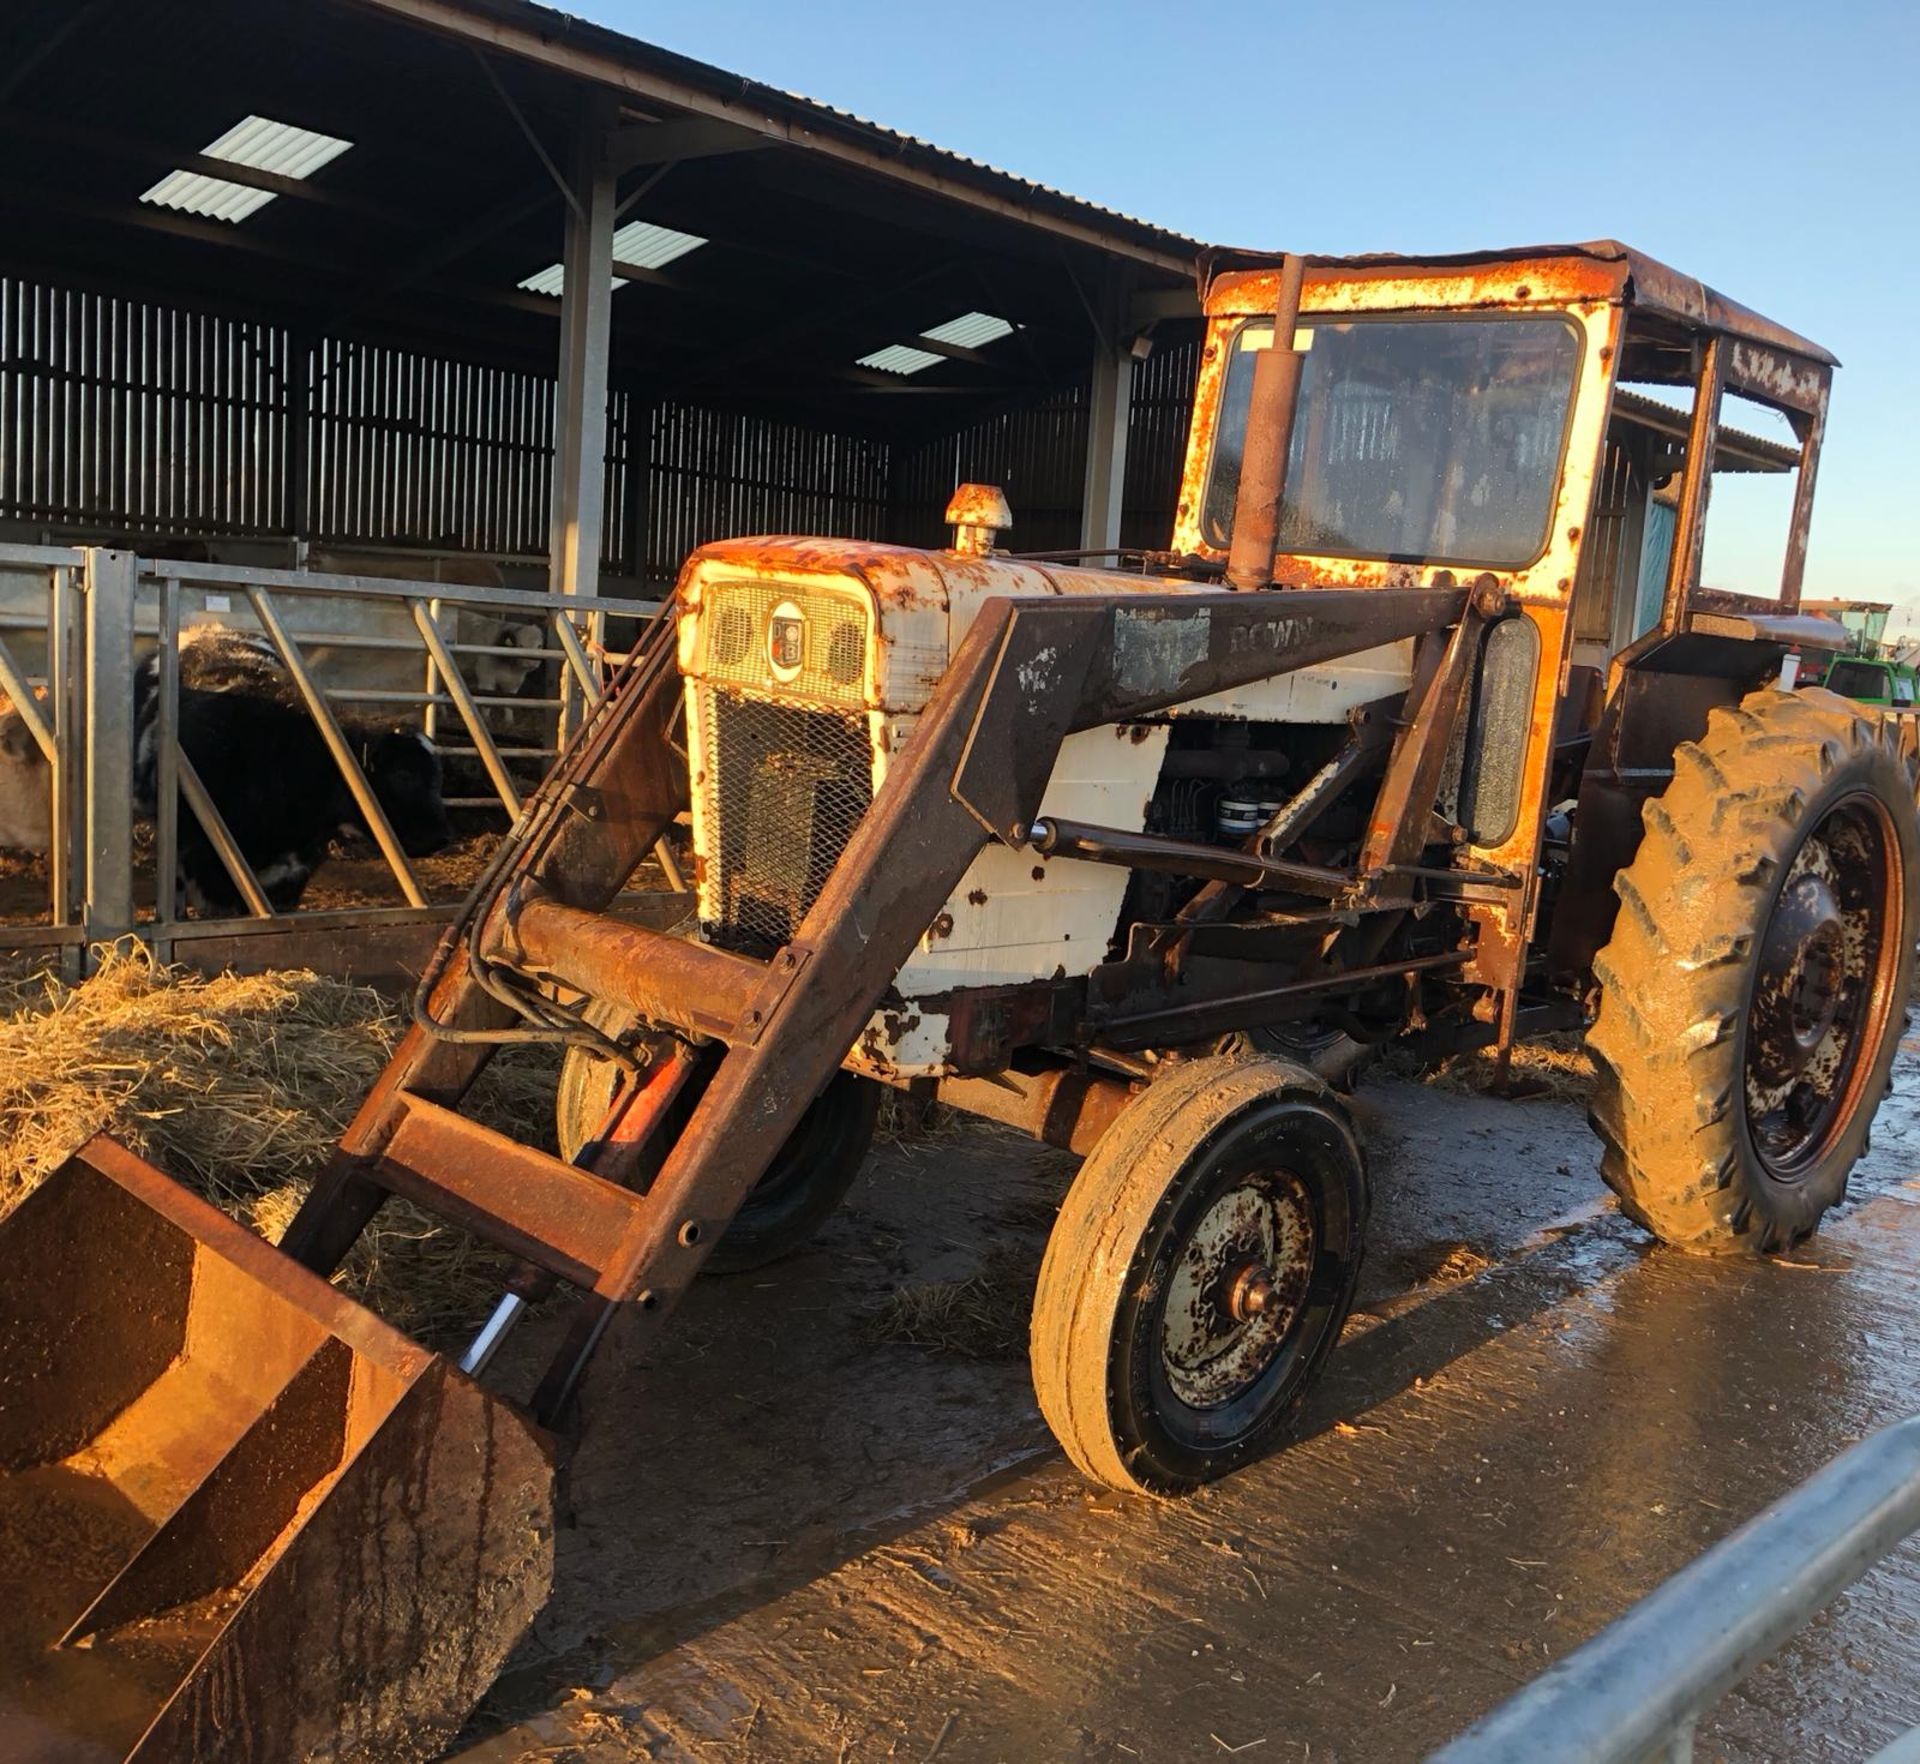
(1054, 837)
(564, 1219)
(901, 863)
(978, 514)
(671, 982)
(1061, 1106)
(589, 826)
(213, 1465)
(1143, 1016)
(1400, 826)
(1269, 439)
(1603, 267)
(1237, 1288)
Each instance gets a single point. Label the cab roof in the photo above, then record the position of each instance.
(1600, 267)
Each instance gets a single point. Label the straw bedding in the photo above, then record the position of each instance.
(238, 1086)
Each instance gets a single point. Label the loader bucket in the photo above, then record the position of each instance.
(240, 1517)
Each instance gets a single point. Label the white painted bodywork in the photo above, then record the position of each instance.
(1015, 916)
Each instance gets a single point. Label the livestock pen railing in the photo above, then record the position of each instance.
(1635, 1693)
(48, 693)
(78, 625)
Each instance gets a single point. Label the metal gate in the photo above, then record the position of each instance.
(75, 625)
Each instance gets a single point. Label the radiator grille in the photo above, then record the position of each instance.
(834, 647)
(789, 786)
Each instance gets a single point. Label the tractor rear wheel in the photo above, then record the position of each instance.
(1198, 1273)
(1752, 994)
(807, 1179)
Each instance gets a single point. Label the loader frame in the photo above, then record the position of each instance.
(1029, 673)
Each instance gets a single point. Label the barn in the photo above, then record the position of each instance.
(423, 338)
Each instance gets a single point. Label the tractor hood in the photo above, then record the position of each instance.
(783, 615)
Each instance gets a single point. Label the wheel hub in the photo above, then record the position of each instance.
(1237, 1289)
(1798, 988)
(1254, 1292)
(1817, 1010)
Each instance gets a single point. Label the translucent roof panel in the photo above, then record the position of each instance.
(216, 198)
(254, 141)
(646, 246)
(639, 243)
(970, 330)
(897, 358)
(276, 147)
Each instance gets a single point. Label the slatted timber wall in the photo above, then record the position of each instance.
(407, 449)
(1158, 417)
(125, 416)
(128, 416)
(719, 474)
(1037, 454)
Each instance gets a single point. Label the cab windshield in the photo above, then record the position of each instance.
(1416, 440)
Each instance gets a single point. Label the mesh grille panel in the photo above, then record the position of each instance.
(790, 784)
(834, 652)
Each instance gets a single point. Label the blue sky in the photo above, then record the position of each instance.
(1772, 150)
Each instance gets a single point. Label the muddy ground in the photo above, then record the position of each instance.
(791, 1541)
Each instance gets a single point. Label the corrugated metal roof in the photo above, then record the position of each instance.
(254, 141)
(553, 36)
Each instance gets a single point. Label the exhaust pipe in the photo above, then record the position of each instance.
(1268, 440)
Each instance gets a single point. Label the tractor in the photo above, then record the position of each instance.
(1413, 732)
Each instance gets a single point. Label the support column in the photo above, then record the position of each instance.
(580, 403)
(107, 717)
(1107, 413)
(297, 375)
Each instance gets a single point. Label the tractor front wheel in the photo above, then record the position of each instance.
(1198, 1273)
(1752, 994)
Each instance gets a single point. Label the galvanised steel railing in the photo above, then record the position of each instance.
(1636, 1692)
(102, 610)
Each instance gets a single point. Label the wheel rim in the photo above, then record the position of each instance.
(1822, 987)
(1238, 1290)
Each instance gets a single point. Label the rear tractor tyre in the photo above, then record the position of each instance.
(1752, 994)
(806, 1181)
(1198, 1273)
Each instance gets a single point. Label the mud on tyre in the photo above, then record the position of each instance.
(1752, 994)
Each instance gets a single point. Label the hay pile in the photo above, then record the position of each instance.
(238, 1086)
(981, 1317)
(1556, 1066)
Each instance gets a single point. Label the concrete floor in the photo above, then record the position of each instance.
(790, 1544)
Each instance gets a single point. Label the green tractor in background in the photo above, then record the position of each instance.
(1874, 671)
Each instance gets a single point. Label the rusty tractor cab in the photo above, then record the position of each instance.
(1402, 736)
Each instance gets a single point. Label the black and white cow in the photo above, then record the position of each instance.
(270, 774)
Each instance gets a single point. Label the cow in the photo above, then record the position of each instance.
(503, 676)
(269, 772)
(26, 785)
